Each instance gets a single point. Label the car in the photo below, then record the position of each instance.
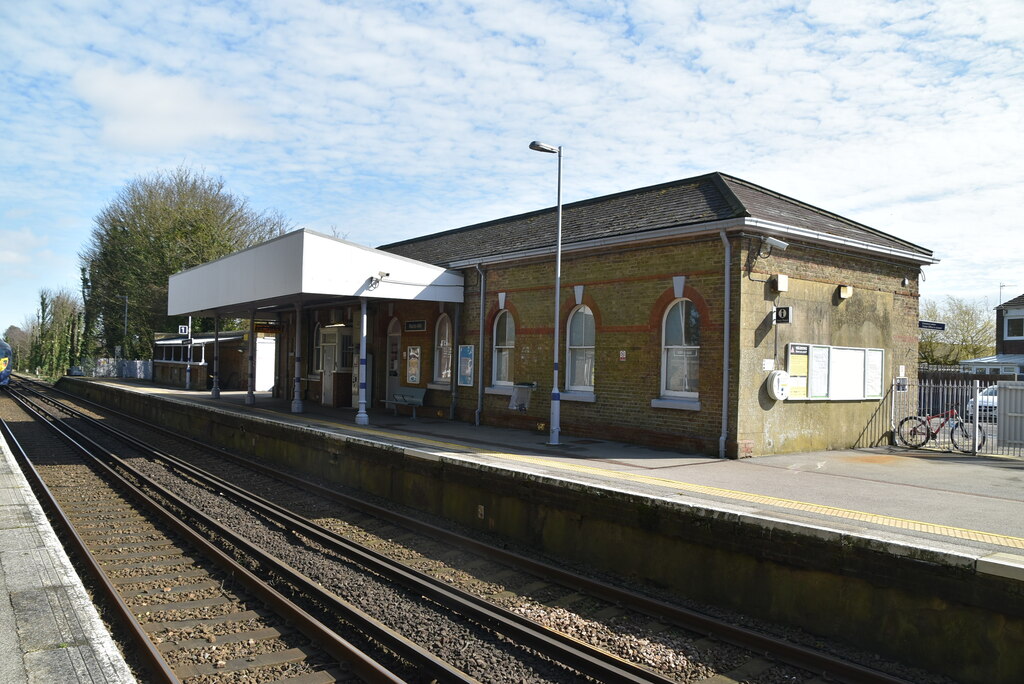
(988, 400)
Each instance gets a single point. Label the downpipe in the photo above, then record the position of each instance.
(725, 343)
(480, 344)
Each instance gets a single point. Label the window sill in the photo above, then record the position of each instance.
(442, 386)
(576, 395)
(504, 390)
(676, 403)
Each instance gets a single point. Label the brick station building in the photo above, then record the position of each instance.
(705, 315)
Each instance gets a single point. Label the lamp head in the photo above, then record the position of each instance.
(543, 147)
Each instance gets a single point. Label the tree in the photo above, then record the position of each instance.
(21, 341)
(56, 334)
(969, 334)
(156, 226)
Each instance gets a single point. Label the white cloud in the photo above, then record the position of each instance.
(390, 119)
(150, 111)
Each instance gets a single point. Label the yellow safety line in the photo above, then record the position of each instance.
(847, 514)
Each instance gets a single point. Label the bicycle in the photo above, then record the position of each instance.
(915, 431)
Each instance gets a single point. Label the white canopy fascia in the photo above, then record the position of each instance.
(306, 266)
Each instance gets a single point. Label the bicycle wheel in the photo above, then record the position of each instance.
(962, 437)
(913, 431)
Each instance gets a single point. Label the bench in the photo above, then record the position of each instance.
(407, 396)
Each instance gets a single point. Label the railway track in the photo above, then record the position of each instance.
(625, 622)
(489, 643)
(193, 612)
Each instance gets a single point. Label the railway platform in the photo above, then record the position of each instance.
(953, 503)
(49, 629)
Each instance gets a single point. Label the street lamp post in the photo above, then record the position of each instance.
(555, 398)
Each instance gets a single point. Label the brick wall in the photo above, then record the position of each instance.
(881, 313)
(629, 290)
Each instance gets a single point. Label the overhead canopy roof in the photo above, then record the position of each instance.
(305, 267)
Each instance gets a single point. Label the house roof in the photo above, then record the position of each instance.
(691, 202)
(998, 359)
(1013, 303)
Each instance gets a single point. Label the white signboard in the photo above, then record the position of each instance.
(836, 373)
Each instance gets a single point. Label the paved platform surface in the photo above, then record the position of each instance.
(50, 632)
(971, 507)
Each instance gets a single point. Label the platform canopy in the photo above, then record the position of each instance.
(307, 268)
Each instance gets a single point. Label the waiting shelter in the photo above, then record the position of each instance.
(302, 271)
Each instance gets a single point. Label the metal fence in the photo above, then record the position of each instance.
(969, 416)
(118, 368)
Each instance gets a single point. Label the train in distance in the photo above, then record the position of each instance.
(6, 362)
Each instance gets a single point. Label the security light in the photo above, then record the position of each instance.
(776, 243)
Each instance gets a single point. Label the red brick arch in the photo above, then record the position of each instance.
(569, 305)
(662, 303)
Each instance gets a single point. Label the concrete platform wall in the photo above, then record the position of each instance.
(929, 609)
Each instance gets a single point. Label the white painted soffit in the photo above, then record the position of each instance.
(710, 228)
(304, 265)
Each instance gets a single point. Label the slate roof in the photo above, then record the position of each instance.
(687, 202)
(1013, 303)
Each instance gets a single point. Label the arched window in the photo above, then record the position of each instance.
(580, 350)
(443, 349)
(680, 347)
(318, 362)
(504, 348)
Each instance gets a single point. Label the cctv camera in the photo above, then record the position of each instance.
(382, 274)
(776, 243)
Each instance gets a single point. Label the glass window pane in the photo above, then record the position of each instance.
(1015, 327)
(501, 366)
(681, 370)
(581, 328)
(444, 363)
(588, 329)
(576, 329)
(692, 328)
(505, 330)
(674, 325)
(581, 368)
(443, 349)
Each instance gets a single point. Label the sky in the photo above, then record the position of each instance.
(380, 120)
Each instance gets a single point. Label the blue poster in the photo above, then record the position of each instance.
(466, 365)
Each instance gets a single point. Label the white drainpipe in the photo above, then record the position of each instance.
(480, 361)
(725, 343)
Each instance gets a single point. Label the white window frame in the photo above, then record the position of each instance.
(318, 362)
(506, 349)
(571, 386)
(443, 358)
(665, 392)
(1006, 327)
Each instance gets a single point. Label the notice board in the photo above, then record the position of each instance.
(828, 373)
